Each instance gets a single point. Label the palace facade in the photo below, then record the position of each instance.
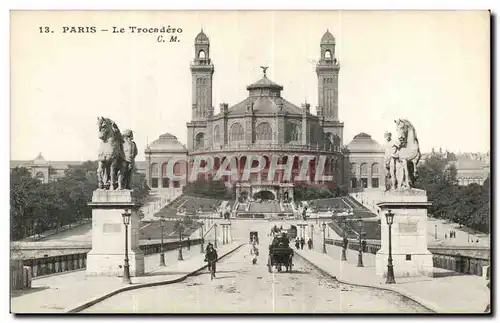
(266, 124)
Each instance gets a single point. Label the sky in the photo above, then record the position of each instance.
(430, 67)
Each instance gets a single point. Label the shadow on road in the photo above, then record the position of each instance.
(21, 292)
(169, 273)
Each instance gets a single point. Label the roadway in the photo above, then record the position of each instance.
(241, 287)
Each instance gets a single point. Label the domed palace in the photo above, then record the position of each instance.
(266, 124)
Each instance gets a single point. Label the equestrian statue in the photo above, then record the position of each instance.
(402, 156)
(115, 165)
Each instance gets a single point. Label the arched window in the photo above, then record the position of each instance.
(354, 169)
(216, 134)
(200, 140)
(155, 172)
(364, 169)
(201, 54)
(164, 176)
(293, 133)
(236, 132)
(375, 175)
(335, 142)
(264, 131)
(328, 55)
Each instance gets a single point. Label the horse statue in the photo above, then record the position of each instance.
(408, 153)
(111, 157)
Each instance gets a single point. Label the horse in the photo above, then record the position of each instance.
(409, 152)
(111, 157)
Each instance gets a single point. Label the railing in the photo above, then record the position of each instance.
(455, 262)
(59, 264)
(275, 147)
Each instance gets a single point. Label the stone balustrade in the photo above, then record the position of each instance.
(57, 264)
(468, 265)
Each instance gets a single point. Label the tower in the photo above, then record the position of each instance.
(202, 71)
(327, 70)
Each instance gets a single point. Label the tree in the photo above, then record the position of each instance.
(466, 205)
(208, 189)
(37, 207)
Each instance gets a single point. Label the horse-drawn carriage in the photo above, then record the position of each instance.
(280, 254)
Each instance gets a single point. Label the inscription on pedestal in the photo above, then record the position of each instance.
(410, 227)
(111, 227)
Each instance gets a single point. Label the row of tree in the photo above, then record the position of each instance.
(36, 207)
(465, 205)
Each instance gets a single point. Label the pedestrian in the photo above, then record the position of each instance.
(445, 236)
(310, 243)
(297, 243)
(363, 245)
(302, 243)
(189, 243)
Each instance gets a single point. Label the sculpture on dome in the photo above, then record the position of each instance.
(110, 157)
(402, 156)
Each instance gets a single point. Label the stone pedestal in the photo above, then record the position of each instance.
(409, 234)
(108, 234)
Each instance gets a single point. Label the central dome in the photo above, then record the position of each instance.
(167, 142)
(363, 142)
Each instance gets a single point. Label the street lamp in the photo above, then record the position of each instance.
(202, 250)
(126, 267)
(180, 241)
(360, 254)
(215, 242)
(390, 269)
(162, 255)
(344, 241)
(324, 238)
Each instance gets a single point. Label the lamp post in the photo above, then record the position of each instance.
(390, 269)
(215, 242)
(360, 253)
(202, 249)
(180, 241)
(344, 241)
(126, 267)
(324, 238)
(162, 255)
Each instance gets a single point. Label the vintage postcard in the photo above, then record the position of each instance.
(250, 162)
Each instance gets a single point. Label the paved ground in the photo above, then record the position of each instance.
(60, 293)
(462, 236)
(449, 292)
(241, 287)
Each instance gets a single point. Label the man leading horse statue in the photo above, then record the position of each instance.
(402, 156)
(116, 156)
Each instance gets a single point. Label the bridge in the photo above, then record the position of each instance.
(319, 282)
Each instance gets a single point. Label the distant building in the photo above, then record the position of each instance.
(47, 171)
(262, 124)
(471, 167)
(365, 158)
